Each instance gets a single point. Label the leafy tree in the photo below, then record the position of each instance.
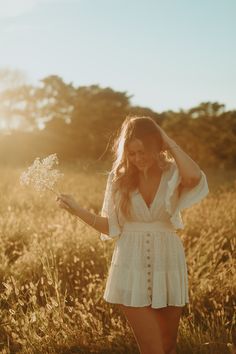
(75, 122)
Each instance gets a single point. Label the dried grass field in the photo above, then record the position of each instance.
(53, 270)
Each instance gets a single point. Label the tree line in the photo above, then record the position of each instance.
(80, 122)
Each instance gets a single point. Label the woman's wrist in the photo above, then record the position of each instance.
(86, 216)
(94, 218)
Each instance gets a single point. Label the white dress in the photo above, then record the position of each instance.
(148, 265)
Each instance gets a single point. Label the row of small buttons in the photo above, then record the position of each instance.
(149, 266)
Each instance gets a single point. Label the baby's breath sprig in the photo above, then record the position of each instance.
(41, 175)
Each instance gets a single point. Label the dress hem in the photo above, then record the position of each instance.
(156, 307)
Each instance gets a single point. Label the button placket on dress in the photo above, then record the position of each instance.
(148, 264)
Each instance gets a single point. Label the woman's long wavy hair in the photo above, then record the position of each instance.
(125, 174)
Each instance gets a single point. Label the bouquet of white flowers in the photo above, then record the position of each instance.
(42, 175)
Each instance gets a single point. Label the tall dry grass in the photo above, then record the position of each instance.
(53, 270)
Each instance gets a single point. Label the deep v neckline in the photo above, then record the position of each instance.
(155, 196)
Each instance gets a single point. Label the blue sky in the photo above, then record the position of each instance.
(168, 54)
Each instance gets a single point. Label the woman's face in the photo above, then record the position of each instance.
(138, 156)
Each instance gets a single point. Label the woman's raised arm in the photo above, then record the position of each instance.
(189, 170)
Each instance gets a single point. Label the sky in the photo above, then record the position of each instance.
(166, 54)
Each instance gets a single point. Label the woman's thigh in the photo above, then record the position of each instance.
(169, 318)
(145, 326)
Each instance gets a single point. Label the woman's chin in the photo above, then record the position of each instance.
(141, 167)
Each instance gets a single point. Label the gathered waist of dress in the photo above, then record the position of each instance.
(148, 226)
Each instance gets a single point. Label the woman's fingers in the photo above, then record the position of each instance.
(62, 198)
(62, 204)
(67, 202)
(67, 196)
(166, 139)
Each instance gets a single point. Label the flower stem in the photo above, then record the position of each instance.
(52, 190)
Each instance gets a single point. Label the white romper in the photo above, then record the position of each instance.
(148, 265)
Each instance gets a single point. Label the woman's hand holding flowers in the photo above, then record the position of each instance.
(67, 202)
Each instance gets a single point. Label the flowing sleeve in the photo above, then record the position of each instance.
(109, 210)
(189, 196)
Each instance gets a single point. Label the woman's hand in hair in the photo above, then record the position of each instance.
(67, 202)
(167, 141)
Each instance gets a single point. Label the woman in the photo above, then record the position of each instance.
(144, 195)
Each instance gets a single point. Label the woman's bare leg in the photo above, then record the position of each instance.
(169, 319)
(145, 327)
